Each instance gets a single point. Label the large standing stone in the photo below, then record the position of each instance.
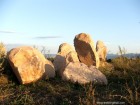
(81, 73)
(101, 50)
(27, 63)
(85, 49)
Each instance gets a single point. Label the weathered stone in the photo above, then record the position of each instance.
(59, 63)
(49, 69)
(71, 57)
(84, 47)
(81, 73)
(27, 63)
(101, 50)
(65, 55)
(65, 48)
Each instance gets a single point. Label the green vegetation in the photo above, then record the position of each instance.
(123, 86)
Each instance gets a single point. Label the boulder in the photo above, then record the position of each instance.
(59, 63)
(65, 55)
(49, 69)
(85, 49)
(71, 57)
(101, 50)
(27, 63)
(65, 48)
(81, 73)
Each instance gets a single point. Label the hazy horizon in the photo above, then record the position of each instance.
(49, 51)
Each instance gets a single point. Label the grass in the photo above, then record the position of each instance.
(50, 92)
(123, 87)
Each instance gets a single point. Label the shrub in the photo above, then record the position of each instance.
(2, 50)
(2, 57)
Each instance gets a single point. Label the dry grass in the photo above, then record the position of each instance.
(2, 57)
(123, 87)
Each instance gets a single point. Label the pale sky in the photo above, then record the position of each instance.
(52, 22)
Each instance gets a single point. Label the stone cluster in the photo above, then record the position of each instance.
(78, 63)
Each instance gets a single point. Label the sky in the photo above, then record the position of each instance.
(50, 23)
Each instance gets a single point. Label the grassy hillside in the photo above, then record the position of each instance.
(123, 87)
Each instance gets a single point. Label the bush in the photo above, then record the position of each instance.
(2, 57)
(2, 50)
